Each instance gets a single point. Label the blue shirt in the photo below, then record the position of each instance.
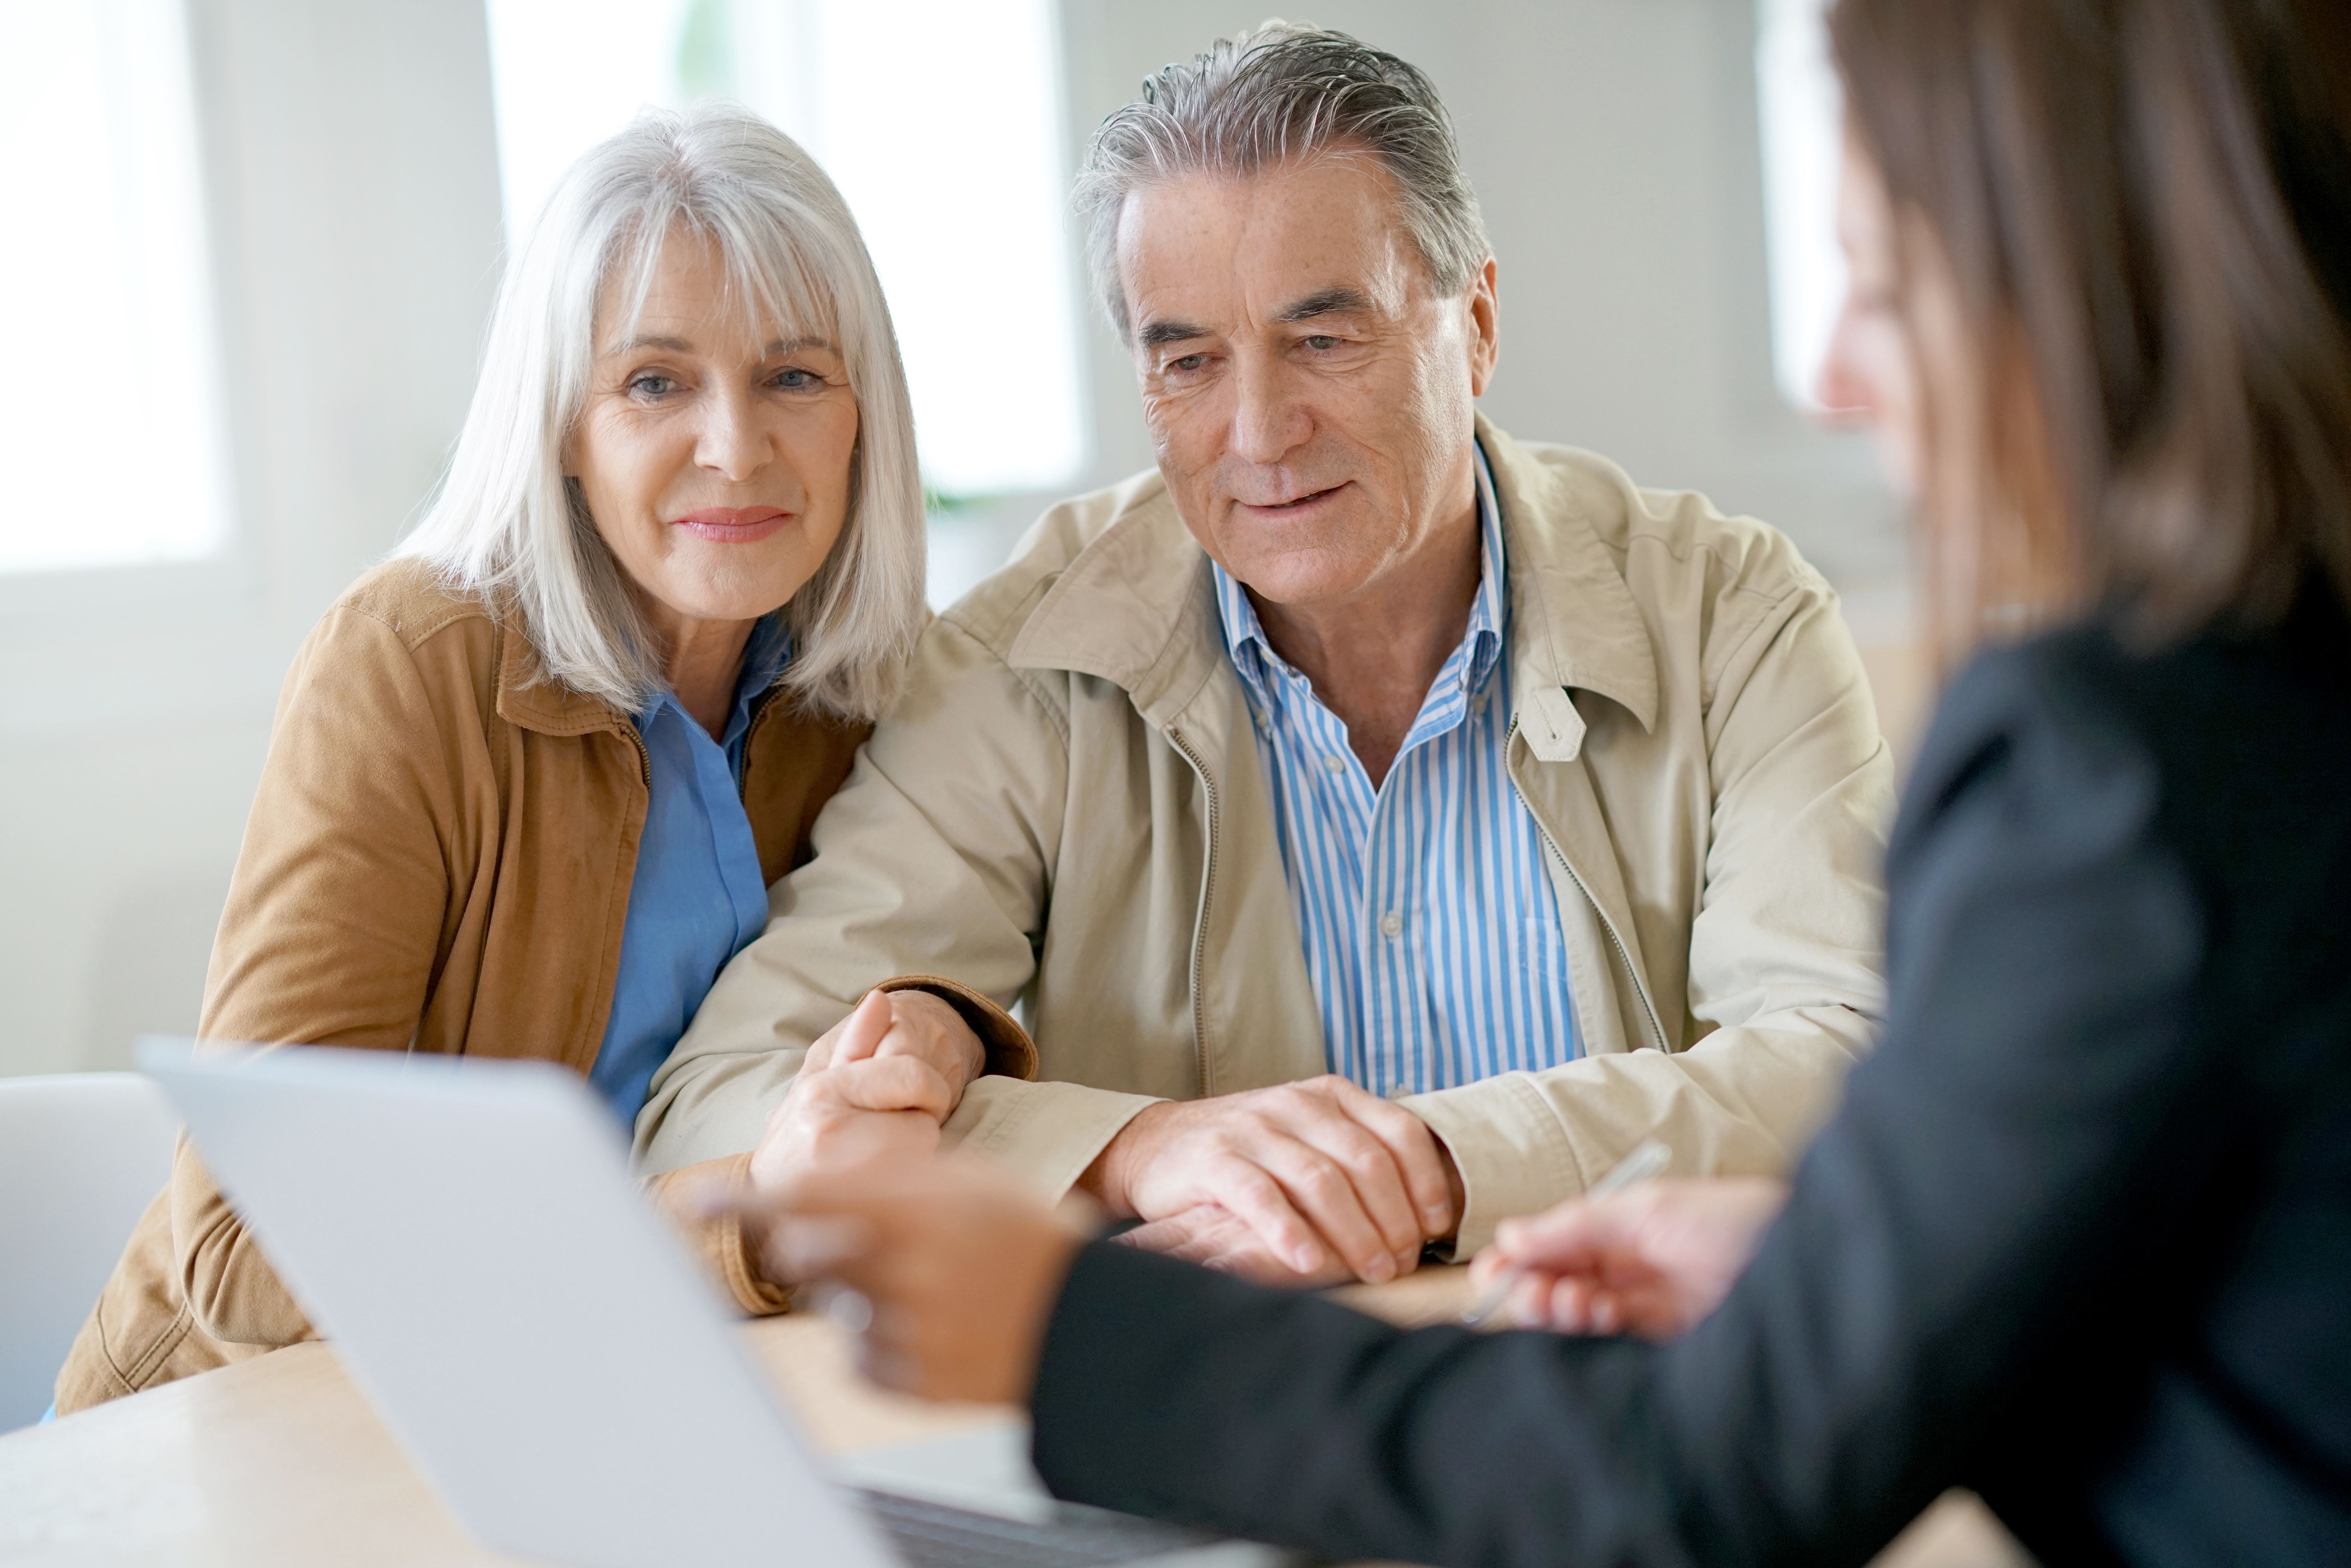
(697, 898)
(1431, 929)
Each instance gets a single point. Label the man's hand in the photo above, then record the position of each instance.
(960, 1264)
(1651, 1260)
(1326, 1173)
(1214, 1238)
(876, 1086)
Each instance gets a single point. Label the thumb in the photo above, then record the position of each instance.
(861, 1034)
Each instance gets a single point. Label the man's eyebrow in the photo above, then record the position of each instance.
(1159, 333)
(1341, 301)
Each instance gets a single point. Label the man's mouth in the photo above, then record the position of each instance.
(1295, 504)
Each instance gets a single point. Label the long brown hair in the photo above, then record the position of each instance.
(2146, 207)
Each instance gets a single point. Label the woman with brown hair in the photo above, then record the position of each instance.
(2079, 1236)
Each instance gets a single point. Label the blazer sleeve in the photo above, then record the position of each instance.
(1998, 1196)
(334, 918)
(1782, 979)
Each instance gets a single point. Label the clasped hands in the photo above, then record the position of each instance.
(1303, 1184)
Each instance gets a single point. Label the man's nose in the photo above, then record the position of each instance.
(1269, 417)
(732, 443)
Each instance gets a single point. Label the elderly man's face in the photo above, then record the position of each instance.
(1309, 391)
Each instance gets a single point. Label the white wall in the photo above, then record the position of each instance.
(1612, 142)
(353, 196)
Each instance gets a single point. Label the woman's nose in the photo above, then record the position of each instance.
(733, 444)
(1843, 386)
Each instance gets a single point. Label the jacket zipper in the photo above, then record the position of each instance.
(1200, 921)
(1640, 985)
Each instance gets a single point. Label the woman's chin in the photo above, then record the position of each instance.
(730, 590)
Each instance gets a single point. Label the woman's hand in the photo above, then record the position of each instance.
(905, 1023)
(1651, 1260)
(959, 1264)
(876, 1086)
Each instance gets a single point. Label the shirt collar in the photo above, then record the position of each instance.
(764, 655)
(1490, 612)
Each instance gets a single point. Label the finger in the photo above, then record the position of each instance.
(1171, 1233)
(1258, 1200)
(927, 1027)
(863, 1032)
(1213, 1238)
(1372, 1170)
(1319, 1188)
(1419, 1162)
(1578, 1237)
(887, 1083)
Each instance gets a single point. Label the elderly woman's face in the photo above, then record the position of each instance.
(714, 454)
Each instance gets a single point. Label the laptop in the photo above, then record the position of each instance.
(468, 1233)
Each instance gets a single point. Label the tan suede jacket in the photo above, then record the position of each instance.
(438, 859)
(1068, 808)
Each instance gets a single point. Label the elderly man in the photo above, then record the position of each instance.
(1382, 824)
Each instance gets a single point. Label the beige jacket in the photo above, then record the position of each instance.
(1068, 809)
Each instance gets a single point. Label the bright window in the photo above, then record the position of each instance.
(1802, 131)
(110, 427)
(941, 122)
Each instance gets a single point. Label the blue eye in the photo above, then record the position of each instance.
(1188, 362)
(796, 380)
(652, 386)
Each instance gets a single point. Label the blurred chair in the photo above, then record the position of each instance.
(81, 1155)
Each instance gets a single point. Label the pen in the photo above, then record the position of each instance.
(1648, 1157)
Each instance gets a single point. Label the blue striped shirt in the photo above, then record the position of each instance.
(1431, 930)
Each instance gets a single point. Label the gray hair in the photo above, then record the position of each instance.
(506, 525)
(1276, 95)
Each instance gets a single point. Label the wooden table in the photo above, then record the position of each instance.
(278, 1461)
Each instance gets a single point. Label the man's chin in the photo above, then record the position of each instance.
(1300, 580)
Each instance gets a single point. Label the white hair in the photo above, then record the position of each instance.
(1280, 94)
(506, 525)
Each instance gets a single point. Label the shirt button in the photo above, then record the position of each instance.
(1334, 762)
(1398, 1091)
(1391, 924)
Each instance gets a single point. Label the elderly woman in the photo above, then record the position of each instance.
(531, 779)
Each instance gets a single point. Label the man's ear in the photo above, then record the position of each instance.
(1485, 308)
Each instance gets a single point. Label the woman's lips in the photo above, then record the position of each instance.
(732, 525)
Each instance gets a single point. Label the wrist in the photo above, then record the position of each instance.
(1105, 1180)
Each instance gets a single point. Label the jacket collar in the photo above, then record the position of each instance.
(1136, 606)
(529, 698)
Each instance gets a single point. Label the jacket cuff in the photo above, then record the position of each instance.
(717, 1239)
(1513, 1155)
(1047, 1133)
(1010, 1052)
